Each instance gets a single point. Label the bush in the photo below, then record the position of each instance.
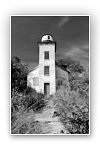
(23, 99)
(25, 124)
(23, 103)
(80, 84)
(73, 110)
(33, 99)
(75, 117)
(61, 82)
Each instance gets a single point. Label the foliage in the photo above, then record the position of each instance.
(61, 82)
(23, 99)
(22, 104)
(73, 111)
(72, 104)
(70, 65)
(19, 73)
(25, 124)
(80, 83)
(71, 101)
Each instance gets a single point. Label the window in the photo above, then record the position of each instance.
(46, 70)
(35, 81)
(46, 55)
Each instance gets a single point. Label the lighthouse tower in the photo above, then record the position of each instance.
(47, 79)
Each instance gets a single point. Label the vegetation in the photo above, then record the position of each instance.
(24, 100)
(70, 65)
(73, 111)
(18, 75)
(72, 104)
(71, 100)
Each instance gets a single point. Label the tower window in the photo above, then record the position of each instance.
(46, 70)
(46, 55)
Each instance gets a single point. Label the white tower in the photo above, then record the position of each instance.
(47, 79)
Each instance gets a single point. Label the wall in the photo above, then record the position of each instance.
(51, 62)
(33, 79)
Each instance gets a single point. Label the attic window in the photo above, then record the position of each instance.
(46, 55)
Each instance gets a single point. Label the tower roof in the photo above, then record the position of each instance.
(47, 38)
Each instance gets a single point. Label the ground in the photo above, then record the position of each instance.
(49, 123)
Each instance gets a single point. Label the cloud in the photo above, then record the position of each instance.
(74, 52)
(63, 21)
(77, 53)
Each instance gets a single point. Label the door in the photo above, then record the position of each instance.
(47, 89)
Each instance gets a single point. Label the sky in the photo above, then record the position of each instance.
(71, 34)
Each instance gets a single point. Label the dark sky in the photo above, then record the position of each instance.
(70, 32)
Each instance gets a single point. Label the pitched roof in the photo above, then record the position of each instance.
(32, 69)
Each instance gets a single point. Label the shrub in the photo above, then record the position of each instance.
(23, 103)
(25, 124)
(80, 84)
(73, 111)
(23, 99)
(33, 99)
(75, 118)
(61, 82)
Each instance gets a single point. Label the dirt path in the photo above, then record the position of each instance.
(49, 124)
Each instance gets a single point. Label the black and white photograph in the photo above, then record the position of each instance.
(50, 74)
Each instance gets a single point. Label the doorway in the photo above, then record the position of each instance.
(47, 89)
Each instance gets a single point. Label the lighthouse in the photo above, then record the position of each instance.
(42, 78)
(47, 75)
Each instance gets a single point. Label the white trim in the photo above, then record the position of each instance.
(50, 15)
(10, 76)
(89, 76)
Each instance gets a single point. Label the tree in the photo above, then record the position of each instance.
(68, 64)
(19, 73)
